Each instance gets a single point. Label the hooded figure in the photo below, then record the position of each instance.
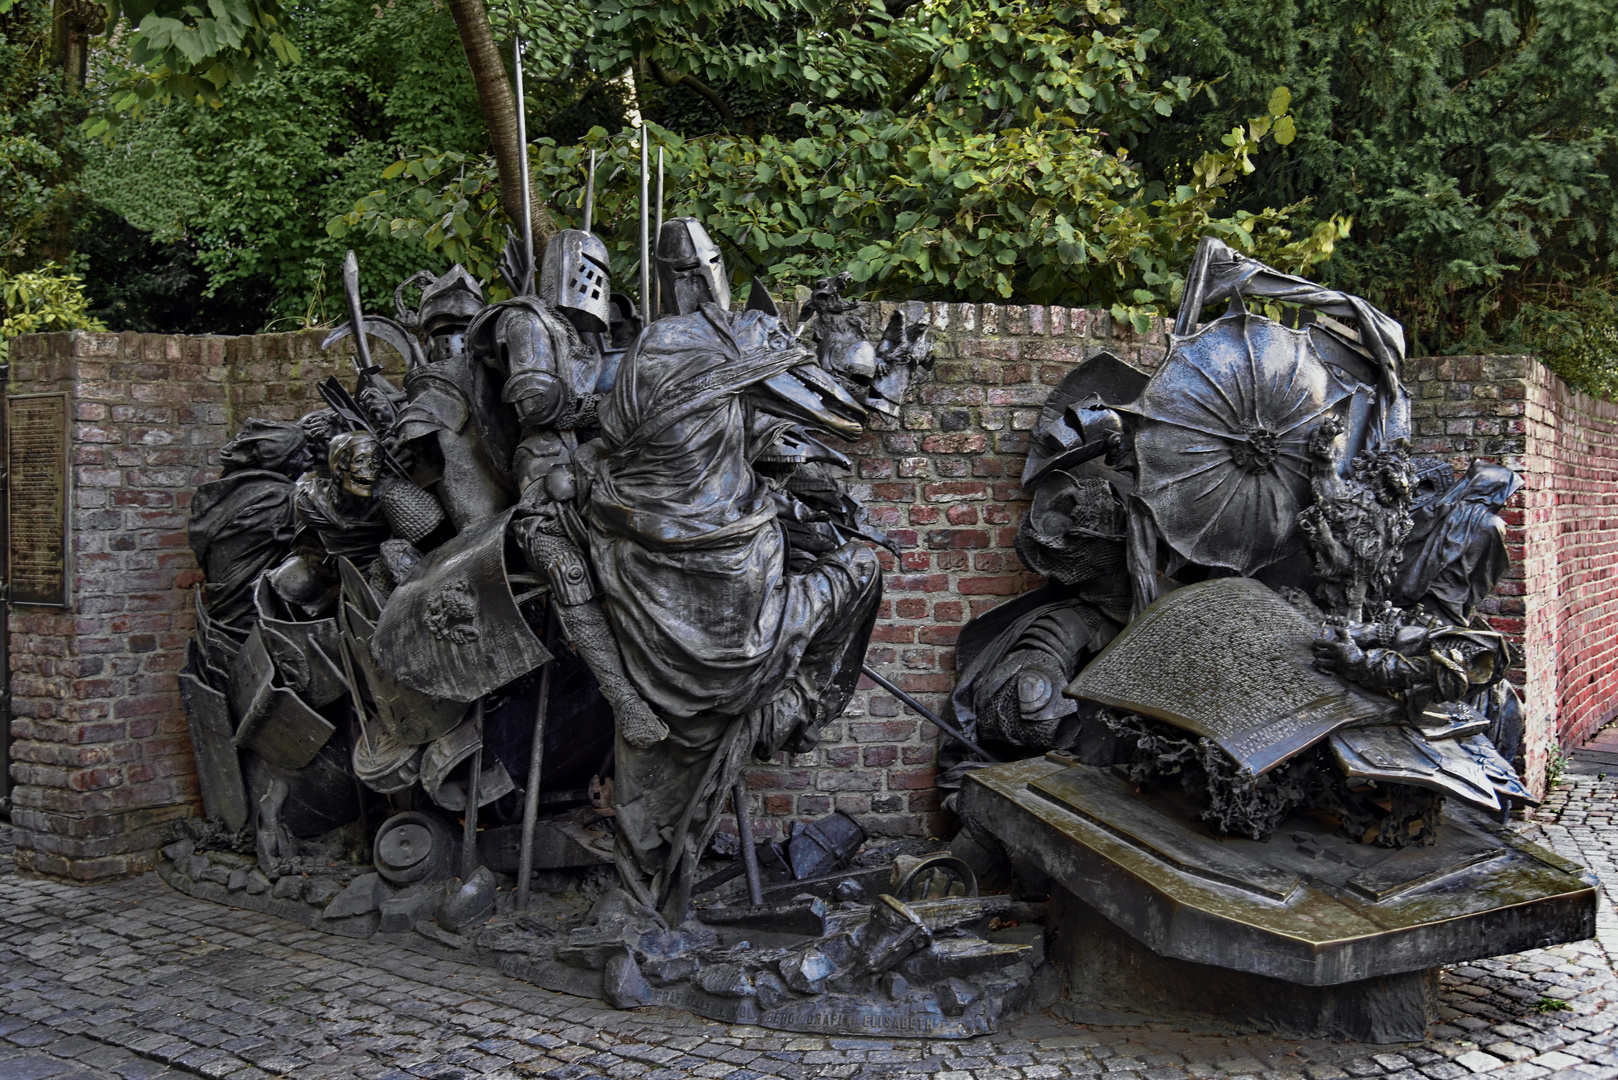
(1456, 552)
(243, 522)
(735, 654)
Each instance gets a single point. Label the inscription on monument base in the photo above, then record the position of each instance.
(37, 511)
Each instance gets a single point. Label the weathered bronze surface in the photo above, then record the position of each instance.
(37, 429)
(1231, 661)
(1355, 911)
(586, 563)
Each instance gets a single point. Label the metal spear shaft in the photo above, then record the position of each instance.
(933, 718)
(645, 240)
(590, 193)
(744, 833)
(469, 824)
(530, 806)
(657, 234)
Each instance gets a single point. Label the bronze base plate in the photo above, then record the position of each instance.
(1307, 907)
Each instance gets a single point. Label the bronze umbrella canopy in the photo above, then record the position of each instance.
(1221, 439)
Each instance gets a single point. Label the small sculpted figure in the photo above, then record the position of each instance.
(343, 510)
(1356, 527)
(1456, 553)
(1421, 661)
(243, 523)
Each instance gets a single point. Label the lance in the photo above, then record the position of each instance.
(527, 198)
(645, 244)
(657, 235)
(590, 193)
(933, 718)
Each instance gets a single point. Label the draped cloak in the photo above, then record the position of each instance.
(684, 534)
(243, 523)
(684, 539)
(1456, 552)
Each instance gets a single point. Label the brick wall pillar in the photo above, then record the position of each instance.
(1573, 547)
(100, 753)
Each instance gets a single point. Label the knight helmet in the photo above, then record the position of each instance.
(690, 269)
(573, 279)
(450, 301)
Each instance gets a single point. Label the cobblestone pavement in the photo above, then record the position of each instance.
(135, 981)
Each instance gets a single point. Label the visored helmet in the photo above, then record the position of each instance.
(573, 278)
(450, 300)
(690, 269)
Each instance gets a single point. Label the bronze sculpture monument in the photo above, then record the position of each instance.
(533, 609)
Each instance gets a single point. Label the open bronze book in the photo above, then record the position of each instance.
(1230, 660)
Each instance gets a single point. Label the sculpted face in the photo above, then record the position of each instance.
(356, 463)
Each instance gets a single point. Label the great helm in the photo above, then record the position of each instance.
(573, 277)
(450, 300)
(690, 269)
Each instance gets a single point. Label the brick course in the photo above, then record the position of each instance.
(100, 753)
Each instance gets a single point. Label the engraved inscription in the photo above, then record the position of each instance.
(1229, 660)
(37, 541)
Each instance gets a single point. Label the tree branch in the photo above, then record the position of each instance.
(693, 83)
(914, 86)
(499, 107)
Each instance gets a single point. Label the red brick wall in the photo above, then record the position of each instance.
(99, 745)
(943, 482)
(100, 754)
(1570, 524)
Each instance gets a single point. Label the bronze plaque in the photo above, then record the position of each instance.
(1229, 660)
(36, 540)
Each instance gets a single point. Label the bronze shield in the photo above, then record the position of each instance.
(452, 629)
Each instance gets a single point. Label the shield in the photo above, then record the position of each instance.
(219, 769)
(452, 629)
(1222, 436)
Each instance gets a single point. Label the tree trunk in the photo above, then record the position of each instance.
(500, 114)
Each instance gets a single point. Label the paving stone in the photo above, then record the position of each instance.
(130, 980)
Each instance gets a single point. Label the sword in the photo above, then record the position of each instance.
(356, 317)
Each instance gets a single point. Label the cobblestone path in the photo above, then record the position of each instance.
(133, 980)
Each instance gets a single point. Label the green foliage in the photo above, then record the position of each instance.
(819, 48)
(247, 189)
(1556, 763)
(1475, 144)
(40, 147)
(192, 51)
(42, 301)
(998, 187)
